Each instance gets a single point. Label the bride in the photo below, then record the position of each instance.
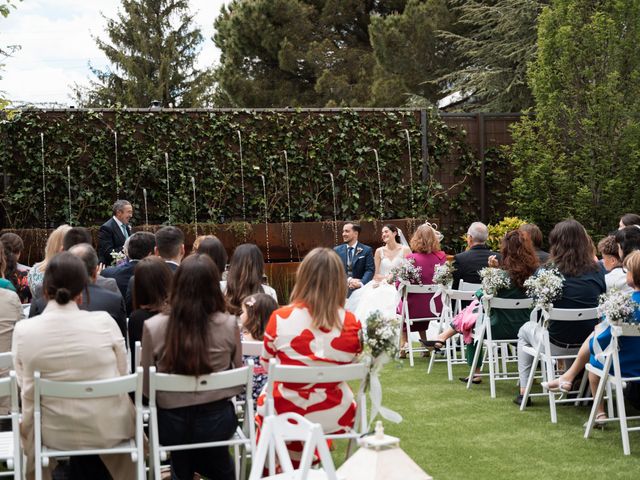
(378, 294)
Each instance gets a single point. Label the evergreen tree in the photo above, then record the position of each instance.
(308, 53)
(496, 43)
(152, 48)
(580, 155)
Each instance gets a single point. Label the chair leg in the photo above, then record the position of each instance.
(410, 344)
(449, 350)
(604, 380)
(551, 375)
(532, 374)
(492, 368)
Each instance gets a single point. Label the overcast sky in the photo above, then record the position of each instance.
(57, 45)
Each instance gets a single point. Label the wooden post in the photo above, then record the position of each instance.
(481, 149)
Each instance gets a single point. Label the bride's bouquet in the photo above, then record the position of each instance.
(379, 346)
(544, 287)
(617, 307)
(443, 274)
(406, 272)
(494, 280)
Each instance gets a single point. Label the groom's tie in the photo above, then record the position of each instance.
(125, 232)
(350, 256)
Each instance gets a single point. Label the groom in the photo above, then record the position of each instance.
(356, 257)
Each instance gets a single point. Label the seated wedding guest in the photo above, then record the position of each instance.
(628, 240)
(196, 337)
(615, 276)
(572, 253)
(4, 283)
(467, 264)
(79, 235)
(115, 231)
(138, 246)
(69, 344)
(256, 311)
(15, 272)
(628, 220)
(535, 234)
(169, 247)
(53, 246)
(425, 245)
(245, 277)
(314, 330)
(10, 313)
(629, 347)
(150, 295)
(212, 246)
(520, 262)
(94, 298)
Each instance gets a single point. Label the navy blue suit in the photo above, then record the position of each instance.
(362, 267)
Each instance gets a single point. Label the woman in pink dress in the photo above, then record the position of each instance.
(425, 245)
(314, 330)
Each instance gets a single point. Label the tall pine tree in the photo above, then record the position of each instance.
(152, 48)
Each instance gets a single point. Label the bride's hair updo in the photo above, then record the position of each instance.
(65, 278)
(393, 229)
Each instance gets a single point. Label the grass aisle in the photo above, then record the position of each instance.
(454, 433)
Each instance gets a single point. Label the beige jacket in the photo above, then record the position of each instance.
(69, 344)
(10, 312)
(225, 353)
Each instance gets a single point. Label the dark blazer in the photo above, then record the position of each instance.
(121, 274)
(110, 238)
(100, 300)
(468, 264)
(129, 295)
(363, 266)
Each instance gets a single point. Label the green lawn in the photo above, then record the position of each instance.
(454, 433)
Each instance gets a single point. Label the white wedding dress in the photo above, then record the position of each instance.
(374, 295)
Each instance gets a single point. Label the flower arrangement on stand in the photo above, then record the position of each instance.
(443, 274)
(406, 273)
(379, 346)
(617, 308)
(545, 287)
(493, 280)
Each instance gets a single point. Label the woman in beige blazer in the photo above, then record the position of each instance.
(69, 344)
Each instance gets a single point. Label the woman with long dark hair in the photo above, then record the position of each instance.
(195, 337)
(15, 272)
(245, 277)
(572, 252)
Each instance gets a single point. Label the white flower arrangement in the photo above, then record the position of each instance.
(406, 272)
(617, 307)
(117, 258)
(494, 280)
(443, 274)
(545, 286)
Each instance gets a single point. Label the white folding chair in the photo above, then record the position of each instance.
(407, 321)
(615, 379)
(10, 451)
(542, 354)
(6, 361)
(484, 339)
(242, 438)
(87, 390)
(252, 348)
(288, 427)
(137, 354)
(454, 349)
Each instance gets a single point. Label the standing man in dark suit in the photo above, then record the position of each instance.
(139, 246)
(94, 298)
(356, 257)
(115, 231)
(467, 264)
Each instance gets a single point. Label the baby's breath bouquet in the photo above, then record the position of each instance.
(617, 307)
(406, 272)
(379, 345)
(443, 274)
(118, 258)
(494, 280)
(545, 286)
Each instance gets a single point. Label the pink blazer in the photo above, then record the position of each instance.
(419, 304)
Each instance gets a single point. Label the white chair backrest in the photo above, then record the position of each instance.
(324, 374)
(252, 348)
(420, 289)
(6, 360)
(137, 354)
(109, 387)
(626, 330)
(573, 314)
(468, 286)
(462, 295)
(292, 427)
(510, 303)
(9, 388)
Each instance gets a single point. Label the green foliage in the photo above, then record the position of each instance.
(580, 155)
(152, 49)
(494, 44)
(205, 145)
(498, 230)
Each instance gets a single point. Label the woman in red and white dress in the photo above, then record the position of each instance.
(314, 330)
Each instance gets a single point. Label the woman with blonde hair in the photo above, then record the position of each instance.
(53, 247)
(314, 330)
